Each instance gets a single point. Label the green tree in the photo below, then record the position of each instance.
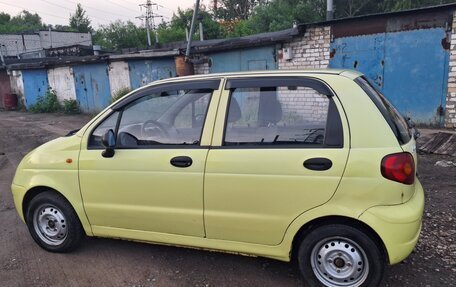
(175, 30)
(79, 21)
(64, 28)
(350, 8)
(119, 35)
(24, 21)
(4, 18)
(276, 15)
(168, 34)
(229, 10)
(281, 14)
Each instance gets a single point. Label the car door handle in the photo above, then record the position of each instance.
(181, 161)
(318, 163)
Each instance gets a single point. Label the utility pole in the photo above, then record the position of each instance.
(149, 17)
(192, 30)
(200, 19)
(329, 10)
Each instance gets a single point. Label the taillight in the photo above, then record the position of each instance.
(399, 167)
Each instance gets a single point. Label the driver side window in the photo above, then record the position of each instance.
(161, 119)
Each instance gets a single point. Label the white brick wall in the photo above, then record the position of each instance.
(305, 104)
(201, 68)
(450, 114)
(310, 51)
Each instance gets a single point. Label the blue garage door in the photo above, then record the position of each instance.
(35, 85)
(263, 58)
(143, 72)
(92, 87)
(409, 67)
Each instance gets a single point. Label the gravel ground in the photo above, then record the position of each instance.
(105, 262)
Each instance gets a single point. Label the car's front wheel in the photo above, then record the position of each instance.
(340, 255)
(53, 223)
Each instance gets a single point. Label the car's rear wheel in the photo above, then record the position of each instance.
(53, 223)
(339, 255)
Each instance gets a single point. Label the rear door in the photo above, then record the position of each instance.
(279, 149)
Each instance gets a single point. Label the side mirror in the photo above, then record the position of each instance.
(109, 142)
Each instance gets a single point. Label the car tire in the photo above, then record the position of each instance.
(340, 255)
(53, 223)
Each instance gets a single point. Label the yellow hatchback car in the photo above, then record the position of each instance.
(312, 165)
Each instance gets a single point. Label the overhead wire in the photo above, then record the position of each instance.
(97, 9)
(124, 7)
(72, 10)
(39, 12)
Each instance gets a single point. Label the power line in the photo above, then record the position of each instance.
(124, 7)
(23, 8)
(72, 10)
(149, 17)
(46, 13)
(99, 10)
(159, 5)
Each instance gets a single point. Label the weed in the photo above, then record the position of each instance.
(71, 107)
(120, 93)
(47, 103)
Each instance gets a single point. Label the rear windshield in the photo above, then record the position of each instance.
(395, 120)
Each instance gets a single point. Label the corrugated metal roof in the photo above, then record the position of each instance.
(40, 63)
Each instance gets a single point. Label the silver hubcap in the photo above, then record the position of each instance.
(339, 261)
(50, 224)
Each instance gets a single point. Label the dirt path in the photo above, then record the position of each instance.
(103, 262)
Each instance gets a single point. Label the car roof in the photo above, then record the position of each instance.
(352, 74)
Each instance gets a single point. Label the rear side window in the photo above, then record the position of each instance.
(281, 115)
(395, 120)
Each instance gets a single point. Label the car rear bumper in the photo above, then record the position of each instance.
(398, 226)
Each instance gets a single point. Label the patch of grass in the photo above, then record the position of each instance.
(120, 93)
(71, 107)
(47, 103)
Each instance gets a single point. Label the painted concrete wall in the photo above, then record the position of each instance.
(59, 39)
(17, 43)
(143, 72)
(408, 67)
(119, 76)
(61, 80)
(35, 85)
(450, 113)
(92, 86)
(17, 86)
(253, 59)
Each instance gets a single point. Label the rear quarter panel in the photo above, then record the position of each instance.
(362, 185)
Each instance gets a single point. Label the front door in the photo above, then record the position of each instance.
(154, 181)
(279, 152)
